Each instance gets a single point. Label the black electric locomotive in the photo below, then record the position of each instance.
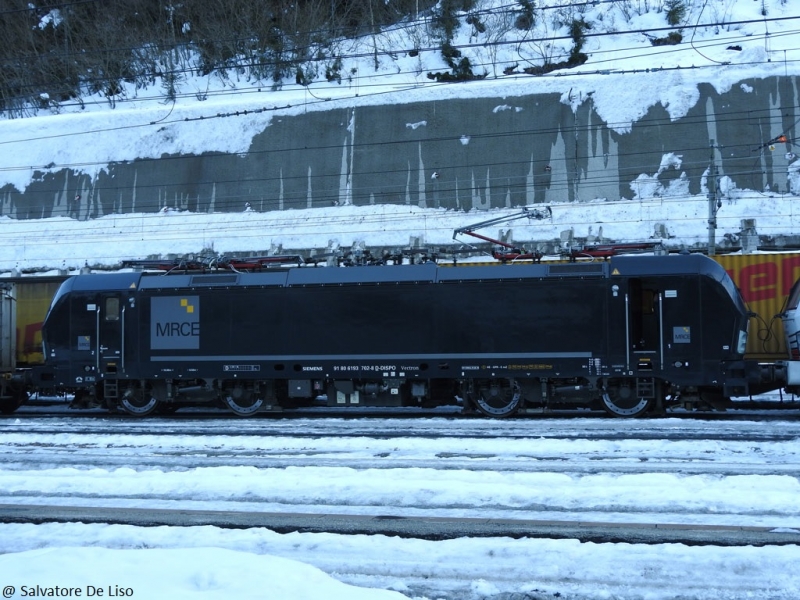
(627, 334)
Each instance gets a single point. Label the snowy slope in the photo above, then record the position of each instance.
(624, 77)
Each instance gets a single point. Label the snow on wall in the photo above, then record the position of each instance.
(487, 151)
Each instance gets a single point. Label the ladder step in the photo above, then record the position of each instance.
(110, 388)
(645, 388)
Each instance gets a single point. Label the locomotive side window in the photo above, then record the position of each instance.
(112, 309)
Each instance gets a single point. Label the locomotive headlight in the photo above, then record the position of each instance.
(742, 343)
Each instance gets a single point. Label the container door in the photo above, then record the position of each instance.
(110, 334)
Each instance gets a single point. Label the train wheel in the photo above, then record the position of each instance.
(8, 404)
(138, 402)
(498, 398)
(620, 400)
(243, 404)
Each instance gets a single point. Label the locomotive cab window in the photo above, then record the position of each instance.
(112, 309)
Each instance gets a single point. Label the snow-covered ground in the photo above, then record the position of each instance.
(217, 564)
(666, 471)
(660, 471)
(198, 572)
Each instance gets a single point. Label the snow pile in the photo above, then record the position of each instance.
(207, 573)
(174, 563)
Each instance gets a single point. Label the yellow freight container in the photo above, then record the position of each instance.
(765, 281)
(33, 296)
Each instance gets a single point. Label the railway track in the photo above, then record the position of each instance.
(494, 498)
(425, 528)
(55, 417)
(507, 469)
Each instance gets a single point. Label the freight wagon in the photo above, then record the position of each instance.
(23, 305)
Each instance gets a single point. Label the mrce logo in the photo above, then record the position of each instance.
(175, 323)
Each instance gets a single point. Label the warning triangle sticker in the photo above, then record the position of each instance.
(615, 272)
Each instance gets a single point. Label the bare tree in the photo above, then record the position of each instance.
(55, 52)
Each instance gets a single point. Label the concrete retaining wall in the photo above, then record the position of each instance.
(462, 154)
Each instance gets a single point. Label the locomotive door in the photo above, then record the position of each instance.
(645, 325)
(110, 314)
